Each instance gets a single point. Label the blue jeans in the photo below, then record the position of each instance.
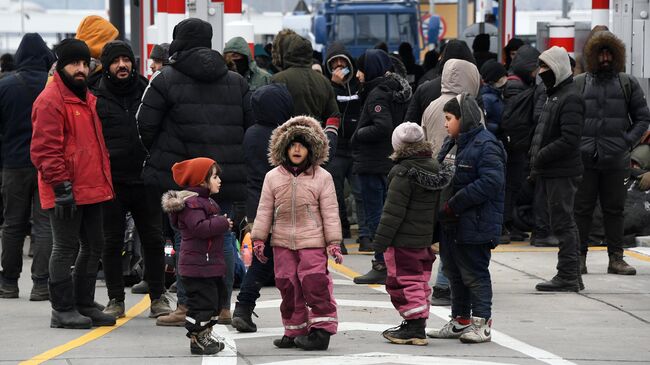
(341, 169)
(257, 276)
(373, 193)
(441, 280)
(361, 214)
(466, 266)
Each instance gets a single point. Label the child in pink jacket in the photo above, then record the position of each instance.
(298, 204)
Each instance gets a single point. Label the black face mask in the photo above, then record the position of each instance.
(242, 65)
(548, 78)
(77, 87)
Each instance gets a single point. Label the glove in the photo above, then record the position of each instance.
(644, 182)
(258, 250)
(64, 205)
(334, 250)
(333, 124)
(447, 215)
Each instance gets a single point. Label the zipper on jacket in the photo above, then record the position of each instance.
(293, 212)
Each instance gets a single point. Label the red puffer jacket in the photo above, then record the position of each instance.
(68, 145)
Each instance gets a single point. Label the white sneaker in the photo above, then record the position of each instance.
(453, 329)
(480, 331)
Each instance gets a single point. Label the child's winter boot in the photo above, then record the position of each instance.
(202, 343)
(317, 339)
(410, 332)
(285, 342)
(242, 318)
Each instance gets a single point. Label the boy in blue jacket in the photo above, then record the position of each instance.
(471, 220)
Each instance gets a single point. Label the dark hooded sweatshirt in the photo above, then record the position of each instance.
(612, 126)
(311, 91)
(430, 91)
(347, 98)
(196, 108)
(17, 94)
(272, 105)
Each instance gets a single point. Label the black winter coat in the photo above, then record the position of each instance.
(196, 108)
(423, 96)
(612, 127)
(385, 103)
(555, 150)
(120, 129)
(33, 60)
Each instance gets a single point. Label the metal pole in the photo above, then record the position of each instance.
(462, 16)
(565, 9)
(22, 17)
(116, 16)
(135, 30)
(432, 7)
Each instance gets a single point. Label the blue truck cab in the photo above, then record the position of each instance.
(361, 24)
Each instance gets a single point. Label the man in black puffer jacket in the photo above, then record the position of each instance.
(385, 95)
(118, 96)
(197, 108)
(20, 190)
(556, 165)
(615, 120)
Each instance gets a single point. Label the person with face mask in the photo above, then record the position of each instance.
(556, 165)
(616, 117)
(238, 51)
(118, 93)
(74, 179)
(494, 80)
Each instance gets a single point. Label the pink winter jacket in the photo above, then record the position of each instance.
(302, 210)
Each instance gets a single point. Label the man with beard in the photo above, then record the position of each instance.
(239, 53)
(74, 179)
(616, 117)
(118, 96)
(197, 108)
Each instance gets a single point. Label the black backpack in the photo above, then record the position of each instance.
(517, 122)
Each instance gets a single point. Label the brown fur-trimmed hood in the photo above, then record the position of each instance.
(174, 201)
(598, 41)
(411, 149)
(306, 127)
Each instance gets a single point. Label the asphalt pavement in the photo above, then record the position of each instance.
(607, 323)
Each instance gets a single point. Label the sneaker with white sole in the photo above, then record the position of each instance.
(453, 329)
(480, 331)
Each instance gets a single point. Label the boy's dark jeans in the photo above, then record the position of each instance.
(515, 177)
(609, 186)
(203, 301)
(557, 196)
(373, 194)
(341, 168)
(22, 202)
(144, 205)
(83, 232)
(467, 268)
(257, 276)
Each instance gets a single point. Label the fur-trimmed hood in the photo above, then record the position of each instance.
(411, 149)
(427, 179)
(174, 201)
(306, 127)
(404, 92)
(600, 40)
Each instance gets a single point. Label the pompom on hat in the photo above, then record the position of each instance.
(192, 172)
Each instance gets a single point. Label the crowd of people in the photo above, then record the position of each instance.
(463, 151)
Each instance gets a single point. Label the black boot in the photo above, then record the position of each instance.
(202, 343)
(242, 318)
(84, 287)
(317, 339)
(376, 275)
(410, 332)
(285, 342)
(63, 313)
(344, 250)
(365, 244)
(558, 284)
(440, 296)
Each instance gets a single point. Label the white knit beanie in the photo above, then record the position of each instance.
(407, 132)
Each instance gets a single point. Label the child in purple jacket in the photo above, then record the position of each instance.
(201, 264)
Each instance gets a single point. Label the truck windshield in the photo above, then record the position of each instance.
(370, 29)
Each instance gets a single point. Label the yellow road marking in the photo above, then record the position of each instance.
(90, 336)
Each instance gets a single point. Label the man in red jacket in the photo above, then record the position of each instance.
(74, 178)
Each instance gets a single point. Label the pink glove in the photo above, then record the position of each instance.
(334, 250)
(258, 250)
